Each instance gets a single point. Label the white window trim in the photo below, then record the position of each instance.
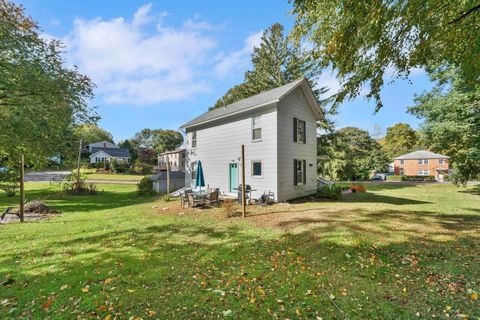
(424, 162)
(261, 164)
(300, 140)
(402, 161)
(441, 161)
(261, 128)
(303, 169)
(196, 139)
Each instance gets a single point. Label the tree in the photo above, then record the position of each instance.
(451, 115)
(90, 133)
(148, 143)
(400, 139)
(352, 154)
(364, 40)
(41, 100)
(275, 62)
(128, 145)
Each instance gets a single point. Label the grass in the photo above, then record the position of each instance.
(92, 175)
(398, 251)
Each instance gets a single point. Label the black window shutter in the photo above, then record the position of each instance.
(304, 171)
(295, 131)
(304, 132)
(294, 172)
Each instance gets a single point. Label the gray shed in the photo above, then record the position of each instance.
(177, 181)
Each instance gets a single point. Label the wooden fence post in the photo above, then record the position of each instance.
(22, 187)
(244, 202)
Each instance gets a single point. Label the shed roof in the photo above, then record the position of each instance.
(253, 102)
(113, 152)
(174, 175)
(421, 154)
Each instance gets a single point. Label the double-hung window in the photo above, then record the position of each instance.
(402, 161)
(423, 172)
(257, 169)
(194, 139)
(256, 128)
(422, 161)
(299, 172)
(193, 169)
(441, 161)
(299, 131)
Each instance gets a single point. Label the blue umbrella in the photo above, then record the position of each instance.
(199, 179)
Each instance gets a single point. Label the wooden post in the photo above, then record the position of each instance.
(22, 187)
(244, 202)
(168, 175)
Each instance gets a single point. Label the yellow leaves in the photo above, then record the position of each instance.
(107, 281)
(108, 317)
(151, 313)
(474, 296)
(261, 291)
(86, 289)
(131, 290)
(298, 312)
(65, 286)
(404, 290)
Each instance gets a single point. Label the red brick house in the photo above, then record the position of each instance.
(421, 163)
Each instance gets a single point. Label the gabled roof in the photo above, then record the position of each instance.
(421, 154)
(113, 152)
(103, 142)
(173, 175)
(174, 151)
(256, 101)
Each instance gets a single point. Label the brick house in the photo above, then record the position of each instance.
(421, 163)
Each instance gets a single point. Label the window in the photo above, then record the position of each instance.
(422, 161)
(423, 172)
(299, 131)
(402, 161)
(194, 139)
(193, 168)
(257, 169)
(402, 171)
(441, 161)
(256, 128)
(299, 174)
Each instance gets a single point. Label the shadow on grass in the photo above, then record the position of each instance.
(174, 268)
(368, 197)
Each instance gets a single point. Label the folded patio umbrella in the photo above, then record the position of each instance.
(199, 179)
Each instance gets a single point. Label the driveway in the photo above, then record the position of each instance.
(46, 176)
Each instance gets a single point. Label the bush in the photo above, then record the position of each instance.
(410, 178)
(141, 168)
(9, 182)
(76, 185)
(333, 192)
(145, 186)
(229, 207)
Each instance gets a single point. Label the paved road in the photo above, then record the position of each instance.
(46, 176)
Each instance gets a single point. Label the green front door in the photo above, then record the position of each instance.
(233, 169)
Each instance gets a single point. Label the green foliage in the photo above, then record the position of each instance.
(91, 133)
(361, 40)
(352, 154)
(410, 178)
(40, 98)
(141, 168)
(451, 122)
(401, 139)
(148, 143)
(394, 178)
(76, 185)
(130, 146)
(145, 186)
(9, 182)
(333, 192)
(274, 63)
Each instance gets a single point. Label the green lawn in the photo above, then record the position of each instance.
(396, 252)
(92, 175)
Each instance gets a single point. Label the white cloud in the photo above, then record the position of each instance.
(136, 64)
(238, 60)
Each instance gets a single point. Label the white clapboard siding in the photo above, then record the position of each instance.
(295, 105)
(219, 144)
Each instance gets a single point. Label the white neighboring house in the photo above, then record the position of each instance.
(101, 144)
(176, 159)
(279, 130)
(107, 154)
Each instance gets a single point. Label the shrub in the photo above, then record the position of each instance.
(76, 185)
(333, 192)
(145, 186)
(9, 182)
(141, 168)
(410, 178)
(394, 178)
(229, 207)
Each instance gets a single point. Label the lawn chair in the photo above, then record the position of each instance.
(194, 201)
(185, 203)
(266, 198)
(214, 197)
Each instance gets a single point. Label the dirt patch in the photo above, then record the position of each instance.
(34, 210)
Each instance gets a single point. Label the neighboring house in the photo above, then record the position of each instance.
(176, 159)
(177, 181)
(422, 163)
(107, 154)
(101, 144)
(279, 130)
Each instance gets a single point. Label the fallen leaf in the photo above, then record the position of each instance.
(108, 317)
(474, 296)
(65, 286)
(48, 304)
(86, 289)
(151, 313)
(130, 290)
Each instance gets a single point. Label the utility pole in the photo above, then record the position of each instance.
(243, 183)
(168, 175)
(22, 187)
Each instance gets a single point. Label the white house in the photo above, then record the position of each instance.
(108, 154)
(279, 130)
(101, 144)
(176, 158)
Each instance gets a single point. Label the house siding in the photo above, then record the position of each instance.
(411, 166)
(295, 105)
(219, 144)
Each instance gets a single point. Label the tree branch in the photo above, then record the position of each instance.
(465, 14)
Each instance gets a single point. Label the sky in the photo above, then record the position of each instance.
(158, 64)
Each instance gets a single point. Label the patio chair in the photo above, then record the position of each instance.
(214, 197)
(185, 203)
(194, 201)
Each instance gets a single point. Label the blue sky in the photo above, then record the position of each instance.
(157, 64)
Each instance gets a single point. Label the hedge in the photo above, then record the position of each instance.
(410, 178)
